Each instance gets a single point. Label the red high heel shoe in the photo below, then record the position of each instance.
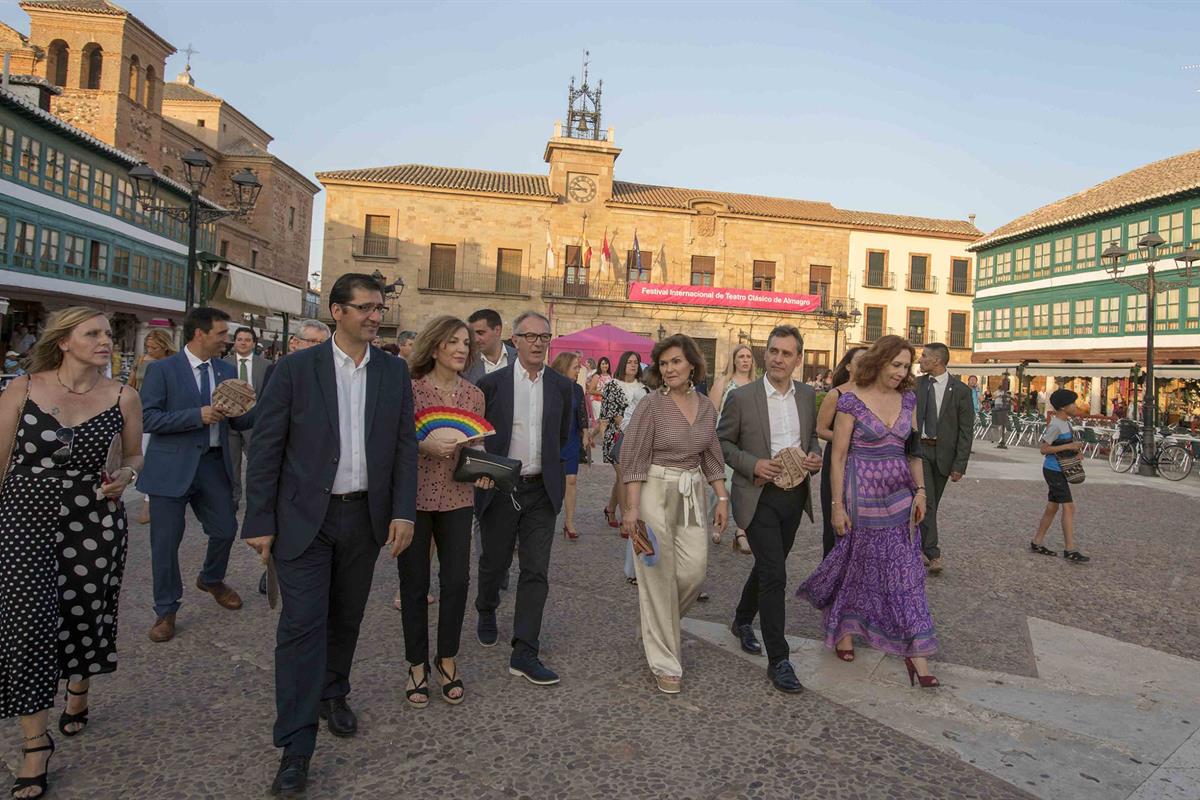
(844, 655)
(611, 518)
(926, 681)
(570, 534)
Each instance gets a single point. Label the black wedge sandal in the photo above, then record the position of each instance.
(450, 684)
(419, 689)
(38, 781)
(1042, 549)
(78, 718)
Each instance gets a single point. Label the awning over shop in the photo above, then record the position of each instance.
(982, 369)
(259, 291)
(1177, 371)
(1110, 370)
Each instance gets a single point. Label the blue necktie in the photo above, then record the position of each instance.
(931, 414)
(205, 393)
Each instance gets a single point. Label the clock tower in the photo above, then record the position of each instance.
(581, 155)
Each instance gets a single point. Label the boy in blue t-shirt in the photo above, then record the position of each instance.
(1058, 438)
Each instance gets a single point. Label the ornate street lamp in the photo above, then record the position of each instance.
(197, 168)
(1115, 259)
(837, 319)
(396, 287)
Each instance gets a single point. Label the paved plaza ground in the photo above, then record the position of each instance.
(1060, 680)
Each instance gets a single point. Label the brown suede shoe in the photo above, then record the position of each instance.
(164, 629)
(222, 593)
(935, 566)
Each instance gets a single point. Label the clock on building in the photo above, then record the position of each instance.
(581, 188)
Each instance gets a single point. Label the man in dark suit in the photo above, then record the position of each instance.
(188, 463)
(946, 419)
(491, 353)
(251, 368)
(759, 420)
(530, 408)
(332, 479)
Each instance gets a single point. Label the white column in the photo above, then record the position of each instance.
(1095, 396)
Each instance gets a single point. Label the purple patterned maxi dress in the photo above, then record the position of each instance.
(872, 584)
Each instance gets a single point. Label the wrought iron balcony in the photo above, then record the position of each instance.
(959, 339)
(380, 247)
(919, 334)
(452, 280)
(961, 285)
(922, 282)
(569, 286)
(873, 279)
(873, 333)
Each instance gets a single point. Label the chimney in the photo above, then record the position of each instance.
(971, 218)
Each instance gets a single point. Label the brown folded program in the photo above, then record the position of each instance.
(794, 473)
(641, 540)
(234, 397)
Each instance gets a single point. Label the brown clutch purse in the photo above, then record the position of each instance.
(641, 540)
(794, 472)
(235, 397)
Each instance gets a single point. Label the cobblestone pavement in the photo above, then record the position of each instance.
(192, 718)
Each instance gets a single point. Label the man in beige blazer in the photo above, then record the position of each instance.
(759, 420)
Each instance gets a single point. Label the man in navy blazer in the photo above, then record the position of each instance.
(188, 462)
(332, 478)
(530, 408)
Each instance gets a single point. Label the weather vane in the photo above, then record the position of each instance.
(190, 51)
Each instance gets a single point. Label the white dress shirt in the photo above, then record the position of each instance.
(783, 415)
(249, 362)
(501, 362)
(526, 441)
(940, 383)
(351, 475)
(214, 430)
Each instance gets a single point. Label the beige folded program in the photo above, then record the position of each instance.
(234, 397)
(794, 472)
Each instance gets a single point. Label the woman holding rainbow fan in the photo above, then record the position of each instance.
(449, 415)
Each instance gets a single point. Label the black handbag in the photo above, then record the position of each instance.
(476, 464)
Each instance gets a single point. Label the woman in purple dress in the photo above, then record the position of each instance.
(872, 584)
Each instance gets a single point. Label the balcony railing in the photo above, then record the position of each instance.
(960, 285)
(918, 335)
(960, 340)
(873, 333)
(922, 282)
(570, 287)
(450, 280)
(384, 247)
(879, 280)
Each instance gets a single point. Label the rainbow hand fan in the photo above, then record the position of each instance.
(454, 424)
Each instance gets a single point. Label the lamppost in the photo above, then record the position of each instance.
(837, 319)
(662, 332)
(197, 167)
(1150, 285)
(396, 287)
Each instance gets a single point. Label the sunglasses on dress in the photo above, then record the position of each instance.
(63, 454)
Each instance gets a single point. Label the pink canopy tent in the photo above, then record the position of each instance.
(603, 340)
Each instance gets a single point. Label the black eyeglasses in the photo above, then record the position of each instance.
(63, 454)
(366, 308)
(533, 338)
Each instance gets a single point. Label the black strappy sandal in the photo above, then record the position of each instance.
(1075, 556)
(1042, 549)
(451, 683)
(39, 781)
(78, 718)
(419, 689)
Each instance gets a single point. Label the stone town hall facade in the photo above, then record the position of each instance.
(463, 239)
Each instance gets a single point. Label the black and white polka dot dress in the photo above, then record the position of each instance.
(62, 554)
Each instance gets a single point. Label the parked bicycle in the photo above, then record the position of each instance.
(1171, 460)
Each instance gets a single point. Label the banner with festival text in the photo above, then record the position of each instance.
(783, 302)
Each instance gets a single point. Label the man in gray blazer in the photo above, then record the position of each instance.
(946, 419)
(252, 368)
(491, 353)
(759, 420)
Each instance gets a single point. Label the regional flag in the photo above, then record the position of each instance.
(637, 255)
(549, 252)
(605, 255)
(587, 253)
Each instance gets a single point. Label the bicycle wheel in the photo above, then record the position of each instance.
(1174, 462)
(1123, 457)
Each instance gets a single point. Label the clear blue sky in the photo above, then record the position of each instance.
(914, 108)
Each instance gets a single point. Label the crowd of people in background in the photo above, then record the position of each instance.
(335, 472)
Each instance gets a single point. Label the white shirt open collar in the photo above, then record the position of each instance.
(342, 359)
(772, 391)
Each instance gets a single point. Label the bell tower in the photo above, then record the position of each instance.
(581, 155)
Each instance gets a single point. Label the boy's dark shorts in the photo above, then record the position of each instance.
(1060, 490)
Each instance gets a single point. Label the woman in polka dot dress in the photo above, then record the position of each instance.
(62, 530)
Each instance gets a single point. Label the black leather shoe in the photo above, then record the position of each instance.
(532, 670)
(746, 638)
(292, 777)
(485, 629)
(262, 584)
(783, 677)
(342, 721)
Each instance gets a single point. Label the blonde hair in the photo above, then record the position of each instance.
(436, 333)
(730, 365)
(562, 362)
(163, 340)
(45, 354)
